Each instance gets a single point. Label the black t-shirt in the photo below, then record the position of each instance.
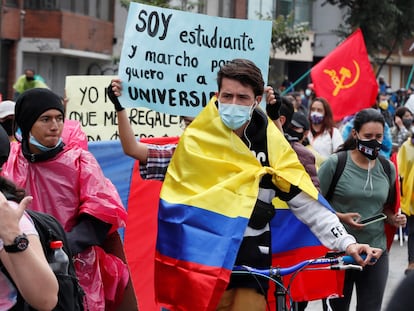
(255, 249)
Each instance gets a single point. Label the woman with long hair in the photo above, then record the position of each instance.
(323, 136)
(363, 190)
(403, 126)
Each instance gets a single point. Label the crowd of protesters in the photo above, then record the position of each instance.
(44, 150)
(393, 114)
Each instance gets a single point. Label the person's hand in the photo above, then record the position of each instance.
(10, 218)
(273, 102)
(351, 219)
(398, 121)
(372, 253)
(114, 90)
(397, 220)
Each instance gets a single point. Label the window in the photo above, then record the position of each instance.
(300, 8)
(284, 7)
(11, 3)
(303, 9)
(101, 9)
(51, 5)
(262, 8)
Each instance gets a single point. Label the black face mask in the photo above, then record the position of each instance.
(291, 132)
(29, 78)
(8, 126)
(407, 123)
(369, 148)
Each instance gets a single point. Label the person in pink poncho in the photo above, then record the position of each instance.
(67, 182)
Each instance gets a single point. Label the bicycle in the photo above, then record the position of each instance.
(332, 261)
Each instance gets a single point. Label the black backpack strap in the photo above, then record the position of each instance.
(386, 166)
(387, 169)
(340, 166)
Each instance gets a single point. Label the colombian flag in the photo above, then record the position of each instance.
(293, 242)
(206, 200)
(140, 197)
(345, 77)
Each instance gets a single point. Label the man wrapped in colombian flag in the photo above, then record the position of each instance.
(215, 203)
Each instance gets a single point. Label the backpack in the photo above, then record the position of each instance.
(71, 294)
(342, 156)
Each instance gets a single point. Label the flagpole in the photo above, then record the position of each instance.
(410, 76)
(296, 82)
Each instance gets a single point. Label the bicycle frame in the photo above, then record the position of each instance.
(275, 274)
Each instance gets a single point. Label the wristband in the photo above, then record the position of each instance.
(273, 110)
(114, 99)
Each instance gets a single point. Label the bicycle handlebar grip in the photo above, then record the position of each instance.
(350, 260)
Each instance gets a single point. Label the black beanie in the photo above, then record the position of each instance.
(31, 104)
(4, 146)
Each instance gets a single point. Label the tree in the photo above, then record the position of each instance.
(287, 36)
(386, 24)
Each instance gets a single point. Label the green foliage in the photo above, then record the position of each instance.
(287, 36)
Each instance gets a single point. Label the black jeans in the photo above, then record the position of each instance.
(370, 286)
(410, 245)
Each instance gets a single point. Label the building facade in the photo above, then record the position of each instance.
(55, 38)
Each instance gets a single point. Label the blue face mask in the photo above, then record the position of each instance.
(233, 115)
(41, 147)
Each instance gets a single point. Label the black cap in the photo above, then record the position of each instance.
(299, 120)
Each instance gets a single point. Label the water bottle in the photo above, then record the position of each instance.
(58, 261)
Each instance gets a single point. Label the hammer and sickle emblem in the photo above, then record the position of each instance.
(344, 73)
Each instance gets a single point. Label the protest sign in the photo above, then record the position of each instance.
(89, 104)
(170, 58)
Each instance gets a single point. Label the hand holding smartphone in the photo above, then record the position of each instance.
(370, 220)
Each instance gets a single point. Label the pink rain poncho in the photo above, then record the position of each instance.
(66, 187)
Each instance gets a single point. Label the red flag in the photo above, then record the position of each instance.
(345, 78)
(141, 231)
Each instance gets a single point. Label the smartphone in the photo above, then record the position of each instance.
(370, 220)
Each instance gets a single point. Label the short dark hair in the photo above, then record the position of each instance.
(244, 71)
(286, 110)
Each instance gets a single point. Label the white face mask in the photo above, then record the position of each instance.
(41, 147)
(234, 115)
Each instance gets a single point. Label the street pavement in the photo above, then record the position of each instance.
(398, 263)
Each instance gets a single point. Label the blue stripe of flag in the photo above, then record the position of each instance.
(190, 234)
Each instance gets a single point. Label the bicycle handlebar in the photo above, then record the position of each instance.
(336, 263)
